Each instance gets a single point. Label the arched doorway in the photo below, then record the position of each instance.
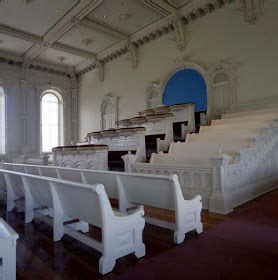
(186, 86)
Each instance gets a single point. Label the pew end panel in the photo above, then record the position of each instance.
(121, 233)
(162, 192)
(8, 239)
(15, 192)
(188, 213)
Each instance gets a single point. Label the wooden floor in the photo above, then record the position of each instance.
(38, 257)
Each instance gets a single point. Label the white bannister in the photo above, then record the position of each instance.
(225, 185)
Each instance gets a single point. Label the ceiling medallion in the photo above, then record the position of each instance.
(61, 59)
(124, 16)
(87, 41)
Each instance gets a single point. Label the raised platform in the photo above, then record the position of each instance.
(89, 156)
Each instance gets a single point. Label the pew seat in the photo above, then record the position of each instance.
(131, 189)
(57, 201)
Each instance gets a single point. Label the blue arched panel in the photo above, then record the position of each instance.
(186, 86)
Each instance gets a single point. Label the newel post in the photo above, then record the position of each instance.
(220, 200)
(44, 157)
(129, 159)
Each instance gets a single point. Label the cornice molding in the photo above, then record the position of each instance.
(17, 62)
(188, 14)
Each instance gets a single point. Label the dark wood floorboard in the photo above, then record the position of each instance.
(38, 257)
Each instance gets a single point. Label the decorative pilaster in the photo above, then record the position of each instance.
(25, 143)
(218, 201)
(74, 106)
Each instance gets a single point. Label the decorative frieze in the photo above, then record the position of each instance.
(32, 66)
(85, 156)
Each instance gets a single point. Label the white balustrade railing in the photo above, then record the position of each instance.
(193, 180)
(225, 185)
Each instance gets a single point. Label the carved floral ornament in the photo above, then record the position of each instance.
(252, 9)
(109, 111)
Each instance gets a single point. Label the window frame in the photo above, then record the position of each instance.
(61, 118)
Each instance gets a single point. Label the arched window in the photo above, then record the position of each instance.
(2, 121)
(51, 120)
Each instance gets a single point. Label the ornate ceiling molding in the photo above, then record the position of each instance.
(252, 9)
(78, 11)
(99, 65)
(162, 7)
(179, 29)
(133, 54)
(102, 28)
(38, 41)
(188, 14)
(35, 67)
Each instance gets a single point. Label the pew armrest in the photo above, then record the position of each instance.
(197, 198)
(133, 214)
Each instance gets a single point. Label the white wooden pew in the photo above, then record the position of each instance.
(164, 192)
(121, 233)
(8, 239)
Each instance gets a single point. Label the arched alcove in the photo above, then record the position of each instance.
(186, 86)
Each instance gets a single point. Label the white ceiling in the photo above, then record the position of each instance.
(111, 10)
(25, 24)
(33, 16)
(88, 40)
(13, 45)
(54, 56)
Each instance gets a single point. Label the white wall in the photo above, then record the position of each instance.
(23, 126)
(221, 35)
